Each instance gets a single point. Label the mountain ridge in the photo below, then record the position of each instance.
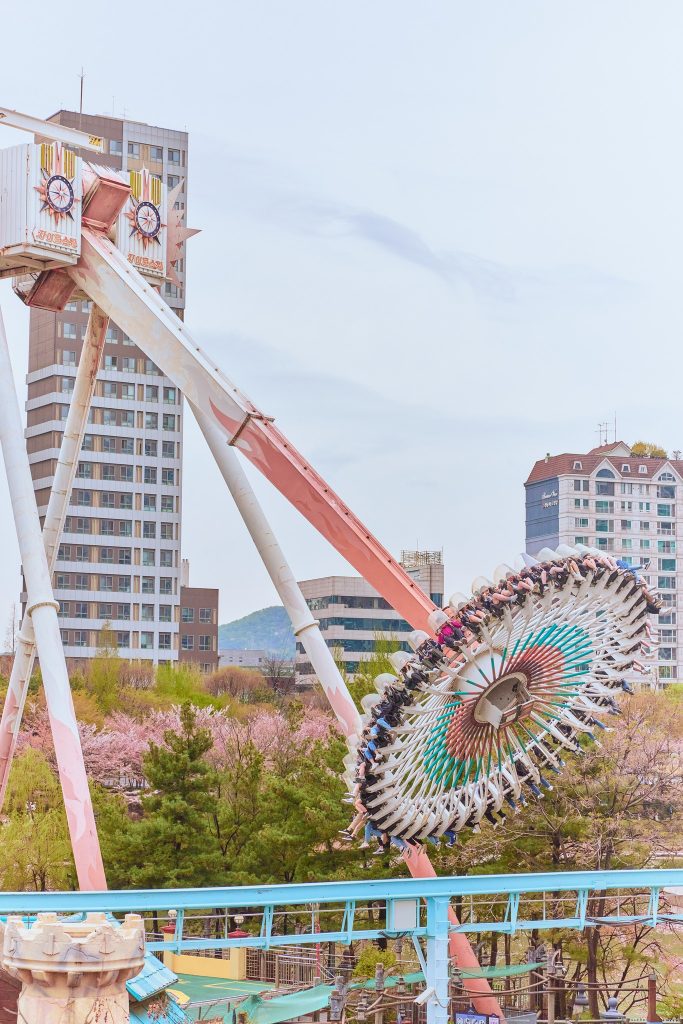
(267, 629)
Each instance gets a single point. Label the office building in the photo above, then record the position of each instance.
(623, 504)
(119, 561)
(353, 616)
(198, 623)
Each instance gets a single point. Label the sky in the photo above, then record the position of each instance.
(438, 241)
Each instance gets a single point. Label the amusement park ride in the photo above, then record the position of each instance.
(486, 721)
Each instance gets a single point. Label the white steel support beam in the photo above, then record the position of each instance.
(50, 130)
(74, 428)
(42, 609)
(305, 625)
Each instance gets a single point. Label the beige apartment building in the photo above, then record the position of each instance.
(626, 505)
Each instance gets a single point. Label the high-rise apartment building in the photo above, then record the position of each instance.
(624, 504)
(352, 614)
(119, 560)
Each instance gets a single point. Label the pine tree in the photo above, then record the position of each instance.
(175, 844)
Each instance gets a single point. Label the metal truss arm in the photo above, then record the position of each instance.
(42, 608)
(104, 275)
(74, 428)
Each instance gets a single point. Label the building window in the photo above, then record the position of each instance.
(168, 449)
(666, 510)
(64, 610)
(149, 502)
(625, 468)
(107, 556)
(151, 421)
(167, 503)
(187, 642)
(124, 584)
(642, 469)
(150, 476)
(123, 638)
(170, 397)
(667, 565)
(165, 641)
(107, 499)
(666, 491)
(152, 368)
(83, 497)
(127, 418)
(116, 147)
(187, 615)
(134, 149)
(84, 471)
(166, 558)
(149, 530)
(123, 611)
(165, 585)
(165, 613)
(151, 448)
(167, 477)
(104, 611)
(82, 553)
(156, 153)
(126, 501)
(147, 612)
(151, 393)
(580, 523)
(82, 581)
(167, 531)
(129, 364)
(577, 464)
(169, 421)
(124, 555)
(106, 583)
(667, 653)
(667, 672)
(80, 638)
(172, 180)
(81, 610)
(666, 582)
(174, 156)
(602, 487)
(604, 525)
(106, 527)
(147, 584)
(146, 641)
(148, 556)
(67, 385)
(626, 524)
(204, 643)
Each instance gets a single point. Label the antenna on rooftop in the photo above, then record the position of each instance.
(603, 432)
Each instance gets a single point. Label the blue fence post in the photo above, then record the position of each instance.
(436, 980)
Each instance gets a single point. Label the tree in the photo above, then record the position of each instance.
(279, 673)
(174, 844)
(242, 684)
(35, 853)
(649, 449)
(619, 805)
(103, 672)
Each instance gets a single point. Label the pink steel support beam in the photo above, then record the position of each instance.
(74, 428)
(306, 627)
(104, 275)
(42, 608)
